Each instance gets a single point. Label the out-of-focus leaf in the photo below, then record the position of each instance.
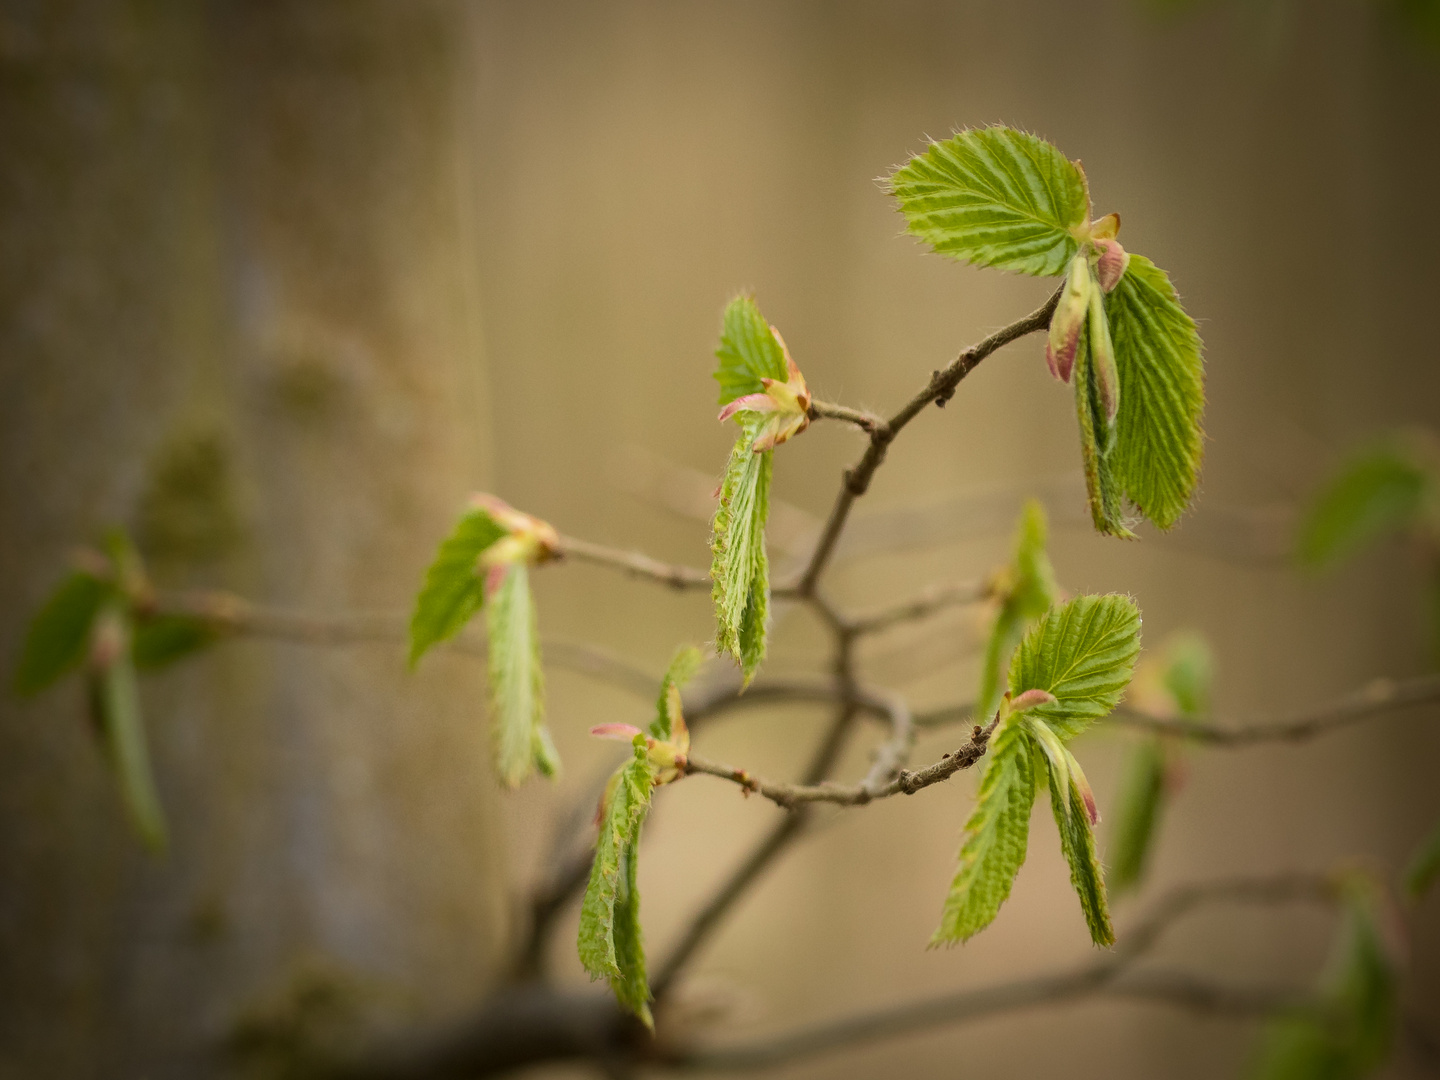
(159, 640)
(996, 837)
(453, 591)
(1381, 489)
(610, 942)
(740, 568)
(1424, 866)
(1027, 589)
(995, 197)
(1137, 814)
(517, 681)
(1083, 652)
(1159, 442)
(748, 352)
(115, 704)
(59, 632)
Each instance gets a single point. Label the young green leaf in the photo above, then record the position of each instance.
(740, 569)
(1083, 652)
(115, 708)
(59, 632)
(749, 351)
(1074, 808)
(1026, 590)
(1381, 489)
(1424, 866)
(453, 591)
(996, 837)
(995, 197)
(1156, 460)
(610, 943)
(1137, 813)
(682, 669)
(160, 640)
(517, 681)
(1098, 444)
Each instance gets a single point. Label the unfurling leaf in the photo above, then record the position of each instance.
(740, 568)
(668, 717)
(1424, 866)
(610, 942)
(750, 352)
(1073, 805)
(1098, 439)
(996, 836)
(1347, 1034)
(517, 681)
(1071, 312)
(59, 633)
(115, 709)
(995, 197)
(1156, 460)
(1025, 590)
(453, 591)
(1083, 652)
(1384, 488)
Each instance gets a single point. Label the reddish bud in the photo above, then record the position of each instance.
(1113, 262)
(1068, 319)
(620, 732)
(1031, 699)
(1102, 357)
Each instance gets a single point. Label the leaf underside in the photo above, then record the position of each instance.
(517, 682)
(995, 197)
(452, 592)
(740, 568)
(748, 352)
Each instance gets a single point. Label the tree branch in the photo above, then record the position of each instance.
(936, 598)
(635, 564)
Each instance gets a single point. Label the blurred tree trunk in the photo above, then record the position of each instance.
(236, 271)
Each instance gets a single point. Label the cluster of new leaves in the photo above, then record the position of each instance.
(101, 619)
(1174, 684)
(484, 564)
(610, 942)
(1070, 670)
(1003, 198)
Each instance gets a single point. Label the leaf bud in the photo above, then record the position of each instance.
(1069, 318)
(1111, 266)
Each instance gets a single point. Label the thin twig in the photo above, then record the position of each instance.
(636, 564)
(865, 421)
(934, 599)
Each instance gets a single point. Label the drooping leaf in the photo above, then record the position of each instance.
(115, 708)
(1380, 490)
(453, 591)
(1159, 441)
(682, 669)
(610, 942)
(1137, 813)
(59, 632)
(996, 837)
(740, 568)
(1098, 445)
(995, 197)
(1083, 652)
(1424, 866)
(1347, 1035)
(163, 639)
(517, 681)
(748, 351)
(1027, 589)
(1072, 806)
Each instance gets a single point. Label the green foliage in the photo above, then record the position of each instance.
(1188, 670)
(517, 681)
(59, 633)
(1382, 489)
(995, 197)
(115, 709)
(160, 640)
(1083, 652)
(748, 351)
(453, 591)
(996, 837)
(1137, 814)
(1072, 805)
(1424, 866)
(682, 669)
(1026, 590)
(1347, 1034)
(1097, 445)
(740, 568)
(1156, 459)
(610, 942)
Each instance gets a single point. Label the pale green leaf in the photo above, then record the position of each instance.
(740, 568)
(1077, 836)
(517, 681)
(1380, 490)
(59, 633)
(1137, 814)
(453, 590)
(748, 351)
(996, 837)
(1027, 588)
(115, 708)
(1159, 442)
(1189, 671)
(1083, 652)
(682, 669)
(160, 640)
(1098, 440)
(610, 942)
(995, 197)
(1424, 866)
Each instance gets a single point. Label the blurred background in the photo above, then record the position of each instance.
(281, 283)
